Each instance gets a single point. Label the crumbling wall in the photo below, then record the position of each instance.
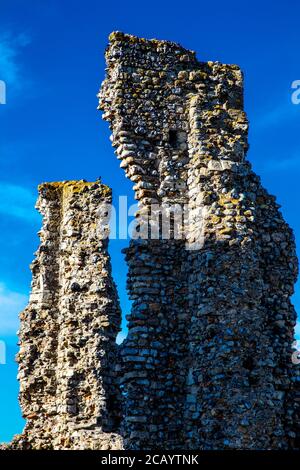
(207, 361)
(241, 372)
(68, 387)
(144, 103)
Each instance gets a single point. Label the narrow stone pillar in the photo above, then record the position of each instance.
(68, 387)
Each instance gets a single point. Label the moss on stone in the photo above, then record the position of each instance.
(74, 186)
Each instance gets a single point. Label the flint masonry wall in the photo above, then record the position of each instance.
(68, 389)
(155, 353)
(207, 361)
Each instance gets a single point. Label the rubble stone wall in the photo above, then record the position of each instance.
(207, 361)
(68, 388)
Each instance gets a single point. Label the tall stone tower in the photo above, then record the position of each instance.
(207, 363)
(68, 389)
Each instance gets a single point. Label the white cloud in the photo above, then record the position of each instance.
(11, 304)
(17, 201)
(292, 163)
(297, 330)
(282, 113)
(10, 48)
(121, 336)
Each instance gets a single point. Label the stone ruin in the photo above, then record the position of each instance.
(69, 393)
(207, 362)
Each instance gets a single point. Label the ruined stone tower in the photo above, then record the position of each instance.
(68, 389)
(207, 361)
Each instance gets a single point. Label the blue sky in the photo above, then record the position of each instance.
(51, 58)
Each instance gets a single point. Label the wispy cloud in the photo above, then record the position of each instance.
(297, 331)
(284, 164)
(11, 304)
(121, 336)
(17, 201)
(278, 115)
(10, 69)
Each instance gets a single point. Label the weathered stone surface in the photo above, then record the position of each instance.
(68, 388)
(211, 327)
(207, 363)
